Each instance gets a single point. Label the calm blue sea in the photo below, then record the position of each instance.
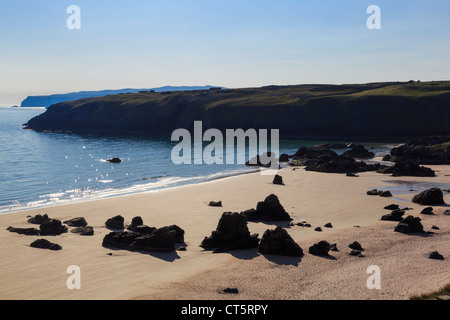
(43, 169)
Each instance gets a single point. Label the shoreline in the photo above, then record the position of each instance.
(126, 193)
(317, 198)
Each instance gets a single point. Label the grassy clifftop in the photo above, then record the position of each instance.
(375, 111)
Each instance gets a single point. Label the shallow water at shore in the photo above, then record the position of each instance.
(40, 169)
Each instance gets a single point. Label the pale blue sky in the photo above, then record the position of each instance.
(245, 43)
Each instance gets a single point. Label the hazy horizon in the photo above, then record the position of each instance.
(147, 44)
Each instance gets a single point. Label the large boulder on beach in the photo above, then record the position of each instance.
(268, 210)
(52, 227)
(433, 196)
(320, 249)
(410, 225)
(231, 234)
(45, 244)
(279, 242)
(116, 222)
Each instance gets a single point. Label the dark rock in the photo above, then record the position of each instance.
(24, 231)
(410, 225)
(83, 231)
(284, 158)
(38, 219)
(279, 242)
(427, 210)
(231, 234)
(52, 227)
(328, 225)
(358, 151)
(395, 215)
(319, 229)
(231, 291)
(392, 207)
(435, 227)
(436, 256)
(278, 180)
(114, 160)
(447, 213)
(76, 222)
(126, 240)
(268, 210)
(386, 194)
(387, 157)
(408, 168)
(307, 225)
(215, 203)
(320, 249)
(179, 233)
(182, 248)
(433, 196)
(356, 246)
(135, 222)
(115, 223)
(45, 244)
(161, 240)
(374, 192)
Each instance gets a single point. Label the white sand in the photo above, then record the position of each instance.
(29, 273)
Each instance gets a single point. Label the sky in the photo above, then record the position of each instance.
(245, 43)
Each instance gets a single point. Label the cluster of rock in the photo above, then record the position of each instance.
(381, 193)
(407, 168)
(232, 234)
(426, 150)
(322, 159)
(52, 227)
(140, 237)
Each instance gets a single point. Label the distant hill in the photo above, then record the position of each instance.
(47, 101)
(394, 111)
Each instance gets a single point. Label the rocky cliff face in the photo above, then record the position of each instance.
(382, 111)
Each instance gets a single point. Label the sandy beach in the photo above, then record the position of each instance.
(318, 198)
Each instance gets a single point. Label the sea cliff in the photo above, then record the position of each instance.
(392, 111)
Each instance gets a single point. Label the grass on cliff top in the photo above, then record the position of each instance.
(277, 95)
(444, 291)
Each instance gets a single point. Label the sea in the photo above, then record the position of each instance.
(41, 169)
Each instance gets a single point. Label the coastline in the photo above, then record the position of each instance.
(196, 274)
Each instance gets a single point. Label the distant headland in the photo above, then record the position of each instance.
(47, 100)
(388, 111)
